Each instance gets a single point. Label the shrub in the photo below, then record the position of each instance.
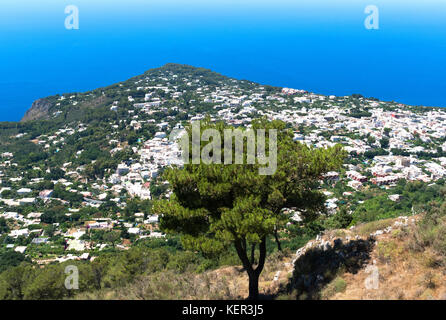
(430, 232)
(388, 251)
(336, 286)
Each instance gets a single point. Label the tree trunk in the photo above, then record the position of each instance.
(253, 251)
(276, 236)
(253, 274)
(253, 286)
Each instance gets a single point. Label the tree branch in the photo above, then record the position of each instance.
(243, 256)
(262, 249)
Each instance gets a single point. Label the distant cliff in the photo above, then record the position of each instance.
(38, 110)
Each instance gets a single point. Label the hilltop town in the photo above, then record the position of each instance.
(77, 180)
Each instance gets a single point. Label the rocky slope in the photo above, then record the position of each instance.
(38, 110)
(373, 261)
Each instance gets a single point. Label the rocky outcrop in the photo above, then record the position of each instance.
(318, 262)
(38, 110)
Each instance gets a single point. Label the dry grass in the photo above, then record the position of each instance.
(366, 229)
(403, 274)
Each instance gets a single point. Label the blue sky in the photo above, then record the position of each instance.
(318, 45)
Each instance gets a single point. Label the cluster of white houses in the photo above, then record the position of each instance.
(318, 121)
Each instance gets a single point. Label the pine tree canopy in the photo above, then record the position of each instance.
(216, 205)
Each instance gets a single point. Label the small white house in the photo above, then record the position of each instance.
(134, 231)
(23, 191)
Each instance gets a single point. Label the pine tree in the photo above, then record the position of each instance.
(214, 206)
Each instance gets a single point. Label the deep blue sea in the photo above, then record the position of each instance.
(318, 45)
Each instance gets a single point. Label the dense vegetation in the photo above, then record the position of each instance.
(115, 269)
